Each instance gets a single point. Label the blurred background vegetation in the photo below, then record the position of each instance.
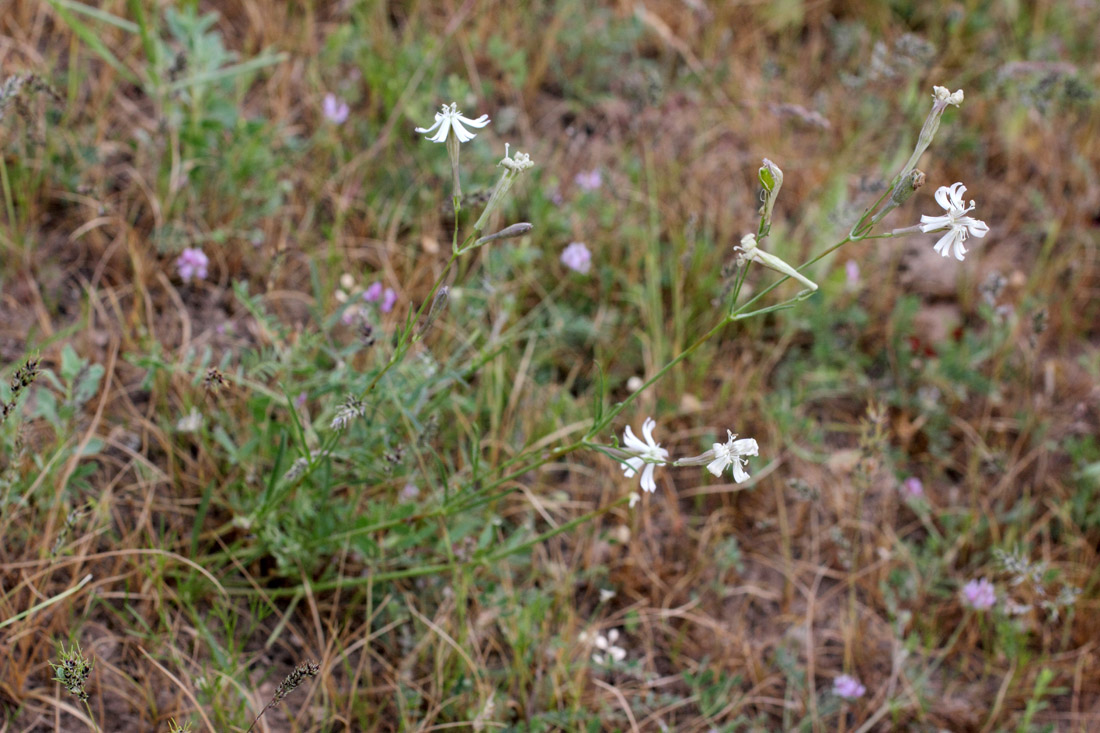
(139, 128)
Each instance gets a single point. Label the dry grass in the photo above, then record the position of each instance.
(774, 588)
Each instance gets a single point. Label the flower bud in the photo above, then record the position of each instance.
(907, 186)
(771, 178)
(439, 303)
(508, 232)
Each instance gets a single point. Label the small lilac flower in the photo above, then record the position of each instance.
(373, 293)
(851, 273)
(589, 180)
(410, 492)
(192, 264)
(577, 258)
(389, 298)
(335, 109)
(300, 400)
(914, 489)
(979, 595)
(848, 687)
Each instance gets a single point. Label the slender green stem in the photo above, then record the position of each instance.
(91, 717)
(351, 582)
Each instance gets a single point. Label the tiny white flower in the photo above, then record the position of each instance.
(648, 454)
(730, 454)
(190, 422)
(607, 644)
(451, 119)
(958, 225)
(635, 497)
(944, 97)
(520, 163)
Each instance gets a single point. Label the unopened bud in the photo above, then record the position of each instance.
(515, 230)
(907, 186)
(439, 303)
(771, 178)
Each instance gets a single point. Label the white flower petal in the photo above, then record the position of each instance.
(438, 119)
(631, 441)
(718, 465)
(976, 227)
(478, 123)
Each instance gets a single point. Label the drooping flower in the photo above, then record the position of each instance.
(334, 109)
(730, 454)
(647, 455)
(979, 594)
(448, 119)
(958, 225)
(848, 687)
(577, 258)
(192, 264)
(749, 251)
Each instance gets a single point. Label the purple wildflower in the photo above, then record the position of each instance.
(589, 180)
(335, 109)
(192, 264)
(388, 299)
(848, 687)
(374, 293)
(913, 487)
(979, 594)
(577, 258)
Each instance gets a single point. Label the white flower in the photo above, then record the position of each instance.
(190, 422)
(520, 163)
(648, 454)
(607, 644)
(729, 454)
(958, 225)
(750, 252)
(451, 119)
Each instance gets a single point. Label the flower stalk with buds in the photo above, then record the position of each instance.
(513, 167)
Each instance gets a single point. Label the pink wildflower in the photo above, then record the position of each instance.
(913, 487)
(979, 595)
(848, 687)
(192, 264)
(851, 274)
